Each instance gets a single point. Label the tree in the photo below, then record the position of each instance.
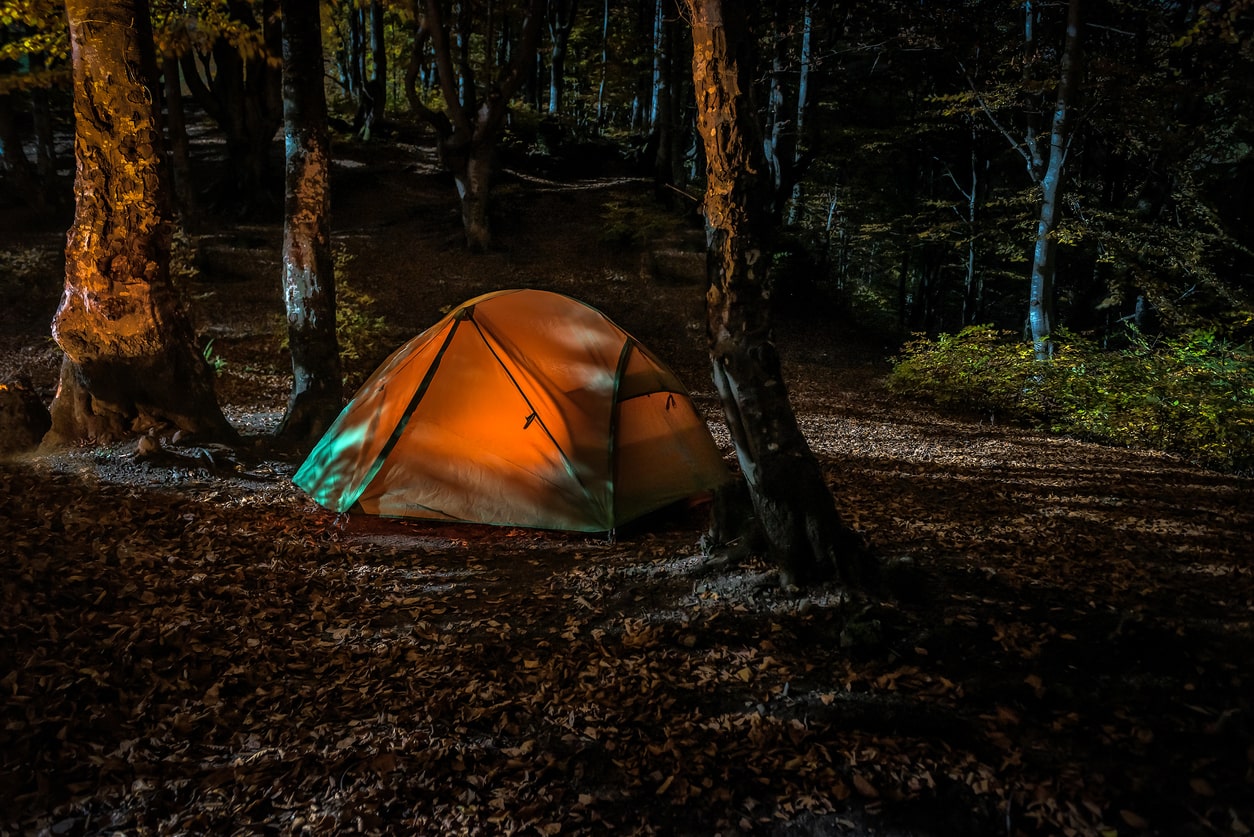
(790, 497)
(1041, 294)
(229, 53)
(33, 52)
(561, 18)
(308, 274)
(471, 123)
(131, 364)
(14, 161)
(363, 80)
(1045, 166)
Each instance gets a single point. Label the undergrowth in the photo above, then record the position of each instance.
(1191, 394)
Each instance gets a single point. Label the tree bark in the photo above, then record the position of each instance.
(791, 499)
(468, 129)
(1040, 302)
(30, 187)
(561, 21)
(131, 364)
(180, 152)
(244, 96)
(308, 272)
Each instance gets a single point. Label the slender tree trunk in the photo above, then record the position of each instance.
(792, 501)
(659, 56)
(468, 129)
(668, 128)
(561, 21)
(45, 145)
(356, 52)
(1040, 303)
(308, 274)
(605, 61)
(180, 153)
(474, 182)
(803, 101)
(131, 364)
(379, 51)
(29, 186)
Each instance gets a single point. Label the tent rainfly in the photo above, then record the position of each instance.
(519, 408)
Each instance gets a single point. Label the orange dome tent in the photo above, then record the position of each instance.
(519, 408)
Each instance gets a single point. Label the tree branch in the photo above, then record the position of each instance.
(1028, 157)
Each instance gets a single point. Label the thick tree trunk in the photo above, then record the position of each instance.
(130, 361)
(474, 182)
(791, 498)
(1041, 293)
(308, 273)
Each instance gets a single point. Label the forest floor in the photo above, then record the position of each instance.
(187, 647)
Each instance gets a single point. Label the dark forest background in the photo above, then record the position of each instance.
(913, 151)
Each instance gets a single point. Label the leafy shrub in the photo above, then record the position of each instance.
(979, 367)
(1192, 394)
(364, 337)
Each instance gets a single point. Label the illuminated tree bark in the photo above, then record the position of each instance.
(131, 364)
(1041, 293)
(308, 274)
(791, 499)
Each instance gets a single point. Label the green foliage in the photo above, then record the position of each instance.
(1192, 394)
(216, 362)
(364, 337)
(979, 367)
(34, 45)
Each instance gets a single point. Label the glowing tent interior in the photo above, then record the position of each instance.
(520, 408)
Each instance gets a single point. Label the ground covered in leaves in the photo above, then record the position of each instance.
(189, 646)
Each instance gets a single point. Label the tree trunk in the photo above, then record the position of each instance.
(27, 182)
(1040, 303)
(561, 21)
(308, 274)
(474, 181)
(379, 51)
(130, 361)
(244, 96)
(468, 130)
(659, 56)
(605, 62)
(790, 497)
(45, 145)
(180, 153)
(803, 101)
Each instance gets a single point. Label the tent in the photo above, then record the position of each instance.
(519, 408)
